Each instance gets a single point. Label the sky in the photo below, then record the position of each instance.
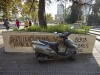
(53, 7)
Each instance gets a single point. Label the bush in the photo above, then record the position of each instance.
(15, 29)
(57, 28)
(34, 28)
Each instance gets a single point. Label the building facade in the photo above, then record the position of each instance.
(59, 15)
(60, 9)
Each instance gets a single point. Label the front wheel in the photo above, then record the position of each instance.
(73, 57)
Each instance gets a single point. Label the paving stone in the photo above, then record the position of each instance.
(22, 63)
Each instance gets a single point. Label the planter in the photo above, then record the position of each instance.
(21, 41)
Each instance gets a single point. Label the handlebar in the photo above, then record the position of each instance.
(65, 35)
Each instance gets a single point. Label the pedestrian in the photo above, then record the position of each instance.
(37, 23)
(30, 23)
(6, 24)
(17, 24)
(26, 23)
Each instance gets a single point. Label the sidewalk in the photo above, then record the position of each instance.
(12, 25)
(26, 64)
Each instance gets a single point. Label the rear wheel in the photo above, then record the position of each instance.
(41, 57)
(36, 54)
(73, 57)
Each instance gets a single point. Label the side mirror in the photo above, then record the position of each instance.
(55, 33)
(72, 27)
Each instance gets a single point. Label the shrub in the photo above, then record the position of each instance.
(15, 29)
(57, 28)
(34, 28)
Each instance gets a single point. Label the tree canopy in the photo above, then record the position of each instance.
(9, 7)
(94, 17)
(49, 17)
(35, 9)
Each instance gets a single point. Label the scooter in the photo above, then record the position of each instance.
(45, 50)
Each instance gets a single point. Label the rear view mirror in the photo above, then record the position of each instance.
(72, 27)
(55, 32)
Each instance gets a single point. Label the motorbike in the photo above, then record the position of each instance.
(45, 50)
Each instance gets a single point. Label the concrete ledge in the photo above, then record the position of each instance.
(21, 41)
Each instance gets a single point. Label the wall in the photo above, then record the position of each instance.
(21, 41)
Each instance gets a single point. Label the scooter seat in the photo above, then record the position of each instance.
(45, 42)
(49, 43)
(52, 45)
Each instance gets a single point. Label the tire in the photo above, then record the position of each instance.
(36, 54)
(41, 58)
(73, 57)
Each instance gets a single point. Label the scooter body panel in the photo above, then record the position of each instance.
(51, 49)
(44, 49)
(48, 51)
(69, 43)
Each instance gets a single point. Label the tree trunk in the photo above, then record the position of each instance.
(41, 14)
(76, 11)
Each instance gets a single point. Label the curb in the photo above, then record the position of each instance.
(95, 34)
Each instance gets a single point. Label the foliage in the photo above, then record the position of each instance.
(94, 17)
(34, 28)
(66, 14)
(75, 14)
(57, 28)
(26, 7)
(96, 7)
(49, 17)
(15, 29)
(9, 7)
(82, 30)
(91, 20)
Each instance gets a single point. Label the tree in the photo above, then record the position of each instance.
(33, 11)
(15, 6)
(49, 17)
(9, 7)
(96, 7)
(75, 15)
(4, 7)
(42, 14)
(66, 14)
(75, 11)
(94, 17)
(76, 6)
